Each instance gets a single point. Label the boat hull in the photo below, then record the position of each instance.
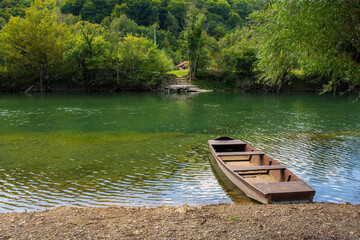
(286, 186)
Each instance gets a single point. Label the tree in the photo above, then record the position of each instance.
(124, 26)
(143, 12)
(239, 56)
(36, 42)
(232, 60)
(234, 20)
(119, 28)
(195, 37)
(89, 51)
(178, 9)
(72, 6)
(14, 8)
(95, 11)
(2, 22)
(320, 38)
(244, 7)
(219, 7)
(142, 65)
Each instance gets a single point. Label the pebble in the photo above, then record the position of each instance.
(181, 210)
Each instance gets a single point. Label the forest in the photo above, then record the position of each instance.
(133, 44)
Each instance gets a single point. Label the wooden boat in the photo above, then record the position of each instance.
(258, 175)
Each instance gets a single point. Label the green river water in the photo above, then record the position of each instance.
(150, 149)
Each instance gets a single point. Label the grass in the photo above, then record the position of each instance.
(179, 73)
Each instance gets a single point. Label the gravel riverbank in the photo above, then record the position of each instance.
(225, 221)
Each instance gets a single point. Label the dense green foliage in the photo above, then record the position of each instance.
(36, 42)
(316, 38)
(102, 44)
(132, 44)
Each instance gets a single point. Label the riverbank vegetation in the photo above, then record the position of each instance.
(132, 45)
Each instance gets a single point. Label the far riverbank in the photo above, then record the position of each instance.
(223, 221)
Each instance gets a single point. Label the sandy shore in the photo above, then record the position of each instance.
(302, 221)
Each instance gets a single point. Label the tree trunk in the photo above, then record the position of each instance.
(196, 63)
(190, 62)
(117, 73)
(41, 79)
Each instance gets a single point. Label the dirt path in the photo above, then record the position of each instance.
(303, 221)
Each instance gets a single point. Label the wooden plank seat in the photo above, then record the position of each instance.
(239, 153)
(235, 159)
(259, 168)
(226, 142)
(283, 187)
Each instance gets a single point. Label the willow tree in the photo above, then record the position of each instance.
(37, 41)
(320, 38)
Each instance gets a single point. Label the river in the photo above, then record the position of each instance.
(150, 149)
